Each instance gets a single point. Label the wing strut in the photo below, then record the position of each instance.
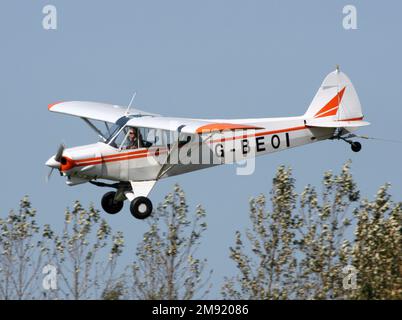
(93, 127)
(167, 166)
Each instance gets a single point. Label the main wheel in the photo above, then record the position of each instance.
(141, 207)
(109, 204)
(356, 146)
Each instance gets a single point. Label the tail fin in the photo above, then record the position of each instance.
(336, 100)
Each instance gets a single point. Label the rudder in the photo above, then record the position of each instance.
(336, 99)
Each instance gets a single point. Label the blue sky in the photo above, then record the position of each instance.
(218, 59)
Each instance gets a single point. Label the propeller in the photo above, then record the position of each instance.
(54, 162)
(59, 152)
(49, 175)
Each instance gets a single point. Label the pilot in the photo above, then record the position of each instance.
(134, 141)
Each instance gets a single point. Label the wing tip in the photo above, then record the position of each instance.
(50, 106)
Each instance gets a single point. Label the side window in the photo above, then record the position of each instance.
(144, 134)
(121, 138)
(130, 138)
(149, 136)
(166, 138)
(154, 137)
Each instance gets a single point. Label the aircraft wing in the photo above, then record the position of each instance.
(95, 110)
(190, 126)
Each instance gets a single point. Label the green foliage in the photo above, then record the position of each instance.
(80, 253)
(300, 246)
(21, 253)
(166, 266)
(270, 274)
(76, 253)
(377, 251)
(114, 292)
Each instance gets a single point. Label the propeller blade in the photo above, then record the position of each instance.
(49, 175)
(59, 153)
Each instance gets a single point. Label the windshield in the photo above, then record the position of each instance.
(115, 128)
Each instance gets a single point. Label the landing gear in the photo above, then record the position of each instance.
(141, 207)
(109, 204)
(112, 202)
(356, 146)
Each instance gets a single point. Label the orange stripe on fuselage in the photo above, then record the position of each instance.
(113, 155)
(122, 158)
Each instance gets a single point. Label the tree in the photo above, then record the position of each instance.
(300, 247)
(268, 272)
(377, 251)
(21, 256)
(86, 254)
(115, 291)
(323, 244)
(166, 266)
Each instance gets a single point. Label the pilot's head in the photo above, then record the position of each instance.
(132, 133)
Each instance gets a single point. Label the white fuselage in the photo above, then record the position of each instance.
(102, 161)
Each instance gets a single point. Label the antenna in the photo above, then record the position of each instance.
(131, 101)
(337, 93)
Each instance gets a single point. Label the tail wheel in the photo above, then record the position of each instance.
(356, 146)
(109, 204)
(141, 207)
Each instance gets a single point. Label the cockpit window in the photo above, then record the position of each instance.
(130, 137)
(115, 128)
(120, 138)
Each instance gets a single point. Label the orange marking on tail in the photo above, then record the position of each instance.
(331, 108)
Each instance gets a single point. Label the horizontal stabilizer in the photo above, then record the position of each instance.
(335, 123)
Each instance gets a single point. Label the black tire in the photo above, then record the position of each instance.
(356, 146)
(109, 205)
(141, 207)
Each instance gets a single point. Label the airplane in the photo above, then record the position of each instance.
(138, 148)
